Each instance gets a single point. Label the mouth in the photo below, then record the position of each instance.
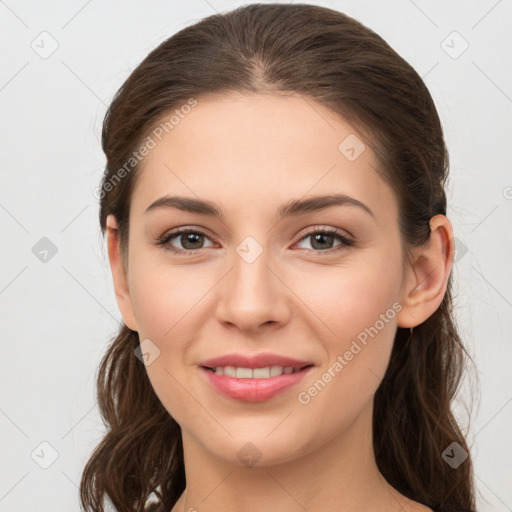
(253, 384)
(255, 373)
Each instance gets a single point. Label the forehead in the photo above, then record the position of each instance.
(261, 150)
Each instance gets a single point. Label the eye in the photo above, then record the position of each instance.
(191, 240)
(323, 238)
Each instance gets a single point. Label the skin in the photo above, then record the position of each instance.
(249, 154)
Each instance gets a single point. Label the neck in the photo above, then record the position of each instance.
(341, 471)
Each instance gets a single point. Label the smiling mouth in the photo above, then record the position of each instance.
(254, 384)
(255, 373)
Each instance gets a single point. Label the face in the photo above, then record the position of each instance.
(322, 286)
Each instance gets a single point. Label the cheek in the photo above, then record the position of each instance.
(165, 301)
(355, 311)
(360, 307)
(163, 296)
(345, 300)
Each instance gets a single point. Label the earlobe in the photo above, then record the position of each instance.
(427, 278)
(119, 276)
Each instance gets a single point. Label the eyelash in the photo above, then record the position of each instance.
(345, 242)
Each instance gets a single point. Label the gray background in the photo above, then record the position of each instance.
(58, 310)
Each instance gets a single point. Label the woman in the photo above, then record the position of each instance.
(275, 215)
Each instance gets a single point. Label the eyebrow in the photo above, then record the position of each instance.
(292, 208)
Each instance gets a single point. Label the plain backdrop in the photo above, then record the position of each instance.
(62, 62)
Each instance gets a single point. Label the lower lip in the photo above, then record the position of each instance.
(254, 390)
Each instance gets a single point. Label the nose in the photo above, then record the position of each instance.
(252, 294)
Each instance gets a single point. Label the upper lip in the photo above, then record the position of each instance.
(255, 361)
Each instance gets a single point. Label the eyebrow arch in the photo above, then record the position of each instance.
(292, 208)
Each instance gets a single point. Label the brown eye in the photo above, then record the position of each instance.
(191, 241)
(322, 239)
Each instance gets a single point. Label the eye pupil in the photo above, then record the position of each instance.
(192, 238)
(319, 237)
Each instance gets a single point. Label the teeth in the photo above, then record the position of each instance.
(230, 371)
(256, 373)
(243, 373)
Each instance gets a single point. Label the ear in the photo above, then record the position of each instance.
(119, 276)
(427, 278)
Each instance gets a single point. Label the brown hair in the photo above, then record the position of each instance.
(328, 57)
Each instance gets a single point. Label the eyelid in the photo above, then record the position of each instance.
(164, 239)
(347, 239)
(318, 228)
